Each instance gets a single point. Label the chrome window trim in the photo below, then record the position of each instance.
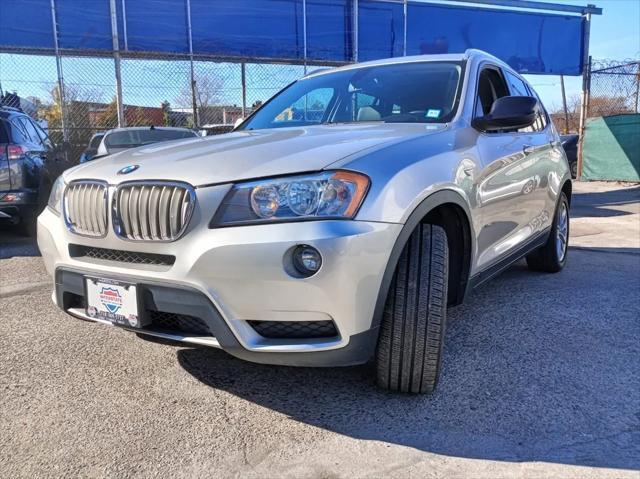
(115, 213)
(105, 197)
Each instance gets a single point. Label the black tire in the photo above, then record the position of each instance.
(548, 258)
(409, 353)
(574, 169)
(28, 226)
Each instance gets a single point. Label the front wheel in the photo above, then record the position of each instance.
(552, 257)
(409, 352)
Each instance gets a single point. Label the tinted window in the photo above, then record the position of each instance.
(95, 141)
(132, 138)
(542, 119)
(4, 136)
(425, 92)
(31, 131)
(19, 134)
(43, 135)
(491, 86)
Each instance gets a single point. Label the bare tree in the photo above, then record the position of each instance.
(208, 92)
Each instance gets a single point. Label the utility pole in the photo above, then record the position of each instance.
(564, 105)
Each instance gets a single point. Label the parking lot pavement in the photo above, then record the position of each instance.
(541, 378)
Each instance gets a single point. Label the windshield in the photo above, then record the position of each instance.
(95, 141)
(424, 92)
(132, 138)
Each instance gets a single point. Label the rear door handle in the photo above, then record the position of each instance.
(528, 149)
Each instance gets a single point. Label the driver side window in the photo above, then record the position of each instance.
(491, 86)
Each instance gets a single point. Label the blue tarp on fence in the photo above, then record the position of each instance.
(274, 29)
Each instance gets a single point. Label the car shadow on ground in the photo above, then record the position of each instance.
(13, 243)
(602, 204)
(518, 383)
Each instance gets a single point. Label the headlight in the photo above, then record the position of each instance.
(329, 195)
(55, 197)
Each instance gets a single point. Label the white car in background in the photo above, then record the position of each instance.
(120, 139)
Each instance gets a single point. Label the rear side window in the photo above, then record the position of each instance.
(542, 120)
(517, 86)
(31, 131)
(18, 132)
(4, 135)
(43, 134)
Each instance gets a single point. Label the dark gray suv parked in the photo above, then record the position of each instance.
(29, 163)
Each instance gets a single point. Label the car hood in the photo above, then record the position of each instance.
(248, 154)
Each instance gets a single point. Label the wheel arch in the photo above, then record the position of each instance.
(448, 209)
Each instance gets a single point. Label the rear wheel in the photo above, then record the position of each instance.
(409, 352)
(553, 255)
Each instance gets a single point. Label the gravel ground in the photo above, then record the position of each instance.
(541, 378)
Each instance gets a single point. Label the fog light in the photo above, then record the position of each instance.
(306, 260)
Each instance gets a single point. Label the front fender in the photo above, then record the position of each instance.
(430, 203)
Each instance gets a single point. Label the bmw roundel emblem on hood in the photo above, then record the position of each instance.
(128, 169)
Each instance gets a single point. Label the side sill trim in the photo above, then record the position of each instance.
(486, 274)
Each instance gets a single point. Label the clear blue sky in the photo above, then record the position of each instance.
(615, 35)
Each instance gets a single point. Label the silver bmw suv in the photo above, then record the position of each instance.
(334, 225)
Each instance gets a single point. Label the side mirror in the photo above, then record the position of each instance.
(509, 113)
(237, 123)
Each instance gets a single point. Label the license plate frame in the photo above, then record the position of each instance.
(115, 301)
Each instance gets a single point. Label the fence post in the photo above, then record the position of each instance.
(116, 59)
(584, 112)
(586, 85)
(637, 85)
(355, 31)
(61, 95)
(304, 36)
(243, 79)
(404, 28)
(194, 104)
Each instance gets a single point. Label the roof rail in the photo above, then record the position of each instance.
(12, 108)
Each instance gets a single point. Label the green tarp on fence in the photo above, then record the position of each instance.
(611, 149)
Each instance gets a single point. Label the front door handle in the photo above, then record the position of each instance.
(528, 149)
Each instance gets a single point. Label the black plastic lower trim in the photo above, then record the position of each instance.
(187, 301)
(486, 274)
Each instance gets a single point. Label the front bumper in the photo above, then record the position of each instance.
(231, 276)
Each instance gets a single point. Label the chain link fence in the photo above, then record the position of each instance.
(155, 91)
(614, 88)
